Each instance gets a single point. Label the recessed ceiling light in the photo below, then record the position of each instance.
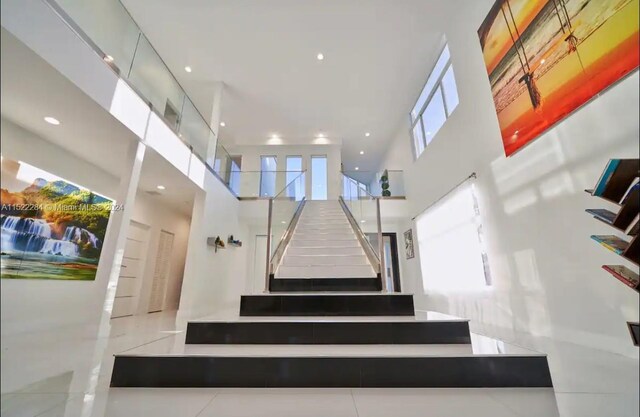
(361, 152)
(275, 136)
(320, 136)
(108, 58)
(223, 124)
(542, 61)
(367, 134)
(161, 187)
(363, 221)
(320, 56)
(52, 120)
(283, 222)
(188, 69)
(357, 168)
(428, 133)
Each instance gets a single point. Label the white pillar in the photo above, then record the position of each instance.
(116, 235)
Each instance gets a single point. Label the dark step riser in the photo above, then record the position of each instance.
(324, 284)
(450, 372)
(310, 333)
(326, 305)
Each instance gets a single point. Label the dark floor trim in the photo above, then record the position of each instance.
(428, 372)
(324, 284)
(327, 305)
(303, 332)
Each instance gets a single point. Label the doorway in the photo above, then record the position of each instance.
(391, 260)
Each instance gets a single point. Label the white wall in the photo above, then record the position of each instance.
(546, 270)
(36, 304)
(213, 282)
(32, 304)
(251, 162)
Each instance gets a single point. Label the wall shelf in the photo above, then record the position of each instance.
(619, 185)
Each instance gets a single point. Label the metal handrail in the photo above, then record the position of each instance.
(274, 261)
(366, 245)
(374, 259)
(286, 237)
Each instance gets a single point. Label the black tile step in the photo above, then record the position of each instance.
(324, 284)
(329, 332)
(200, 371)
(327, 305)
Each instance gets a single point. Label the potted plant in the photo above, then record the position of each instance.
(384, 184)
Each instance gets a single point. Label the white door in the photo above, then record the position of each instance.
(260, 264)
(161, 271)
(131, 271)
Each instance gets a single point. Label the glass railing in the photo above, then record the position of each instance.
(389, 183)
(119, 41)
(257, 184)
(363, 212)
(284, 210)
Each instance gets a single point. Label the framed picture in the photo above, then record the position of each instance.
(546, 58)
(51, 228)
(408, 244)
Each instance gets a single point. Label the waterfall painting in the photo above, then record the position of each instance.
(546, 58)
(51, 228)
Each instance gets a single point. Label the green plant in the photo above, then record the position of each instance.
(384, 184)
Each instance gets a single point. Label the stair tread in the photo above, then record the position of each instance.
(480, 346)
(420, 317)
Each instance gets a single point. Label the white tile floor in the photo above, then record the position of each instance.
(66, 373)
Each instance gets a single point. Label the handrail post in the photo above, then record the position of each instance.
(268, 269)
(383, 271)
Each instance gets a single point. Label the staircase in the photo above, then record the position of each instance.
(321, 326)
(324, 248)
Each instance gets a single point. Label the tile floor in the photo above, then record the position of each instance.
(66, 373)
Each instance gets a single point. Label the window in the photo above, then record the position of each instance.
(267, 176)
(436, 102)
(452, 256)
(318, 177)
(294, 169)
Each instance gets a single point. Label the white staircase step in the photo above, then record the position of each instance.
(323, 229)
(318, 259)
(340, 250)
(325, 271)
(305, 235)
(314, 243)
(316, 220)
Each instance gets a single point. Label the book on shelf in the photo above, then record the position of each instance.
(613, 243)
(623, 274)
(605, 215)
(601, 185)
(635, 185)
(634, 226)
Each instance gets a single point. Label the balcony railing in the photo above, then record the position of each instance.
(374, 185)
(115, 36)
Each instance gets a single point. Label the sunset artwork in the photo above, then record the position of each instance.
(546, 58)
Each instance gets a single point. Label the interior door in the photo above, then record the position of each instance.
(132, 270)
(161, 271)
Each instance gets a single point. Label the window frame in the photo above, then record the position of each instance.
(437, 86)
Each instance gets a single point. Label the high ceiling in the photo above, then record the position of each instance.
(377, 55)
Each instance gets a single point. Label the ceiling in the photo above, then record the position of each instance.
(378, 54)
(31, 89)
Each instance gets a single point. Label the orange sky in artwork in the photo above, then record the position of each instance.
(499, 40)
(608, 49)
